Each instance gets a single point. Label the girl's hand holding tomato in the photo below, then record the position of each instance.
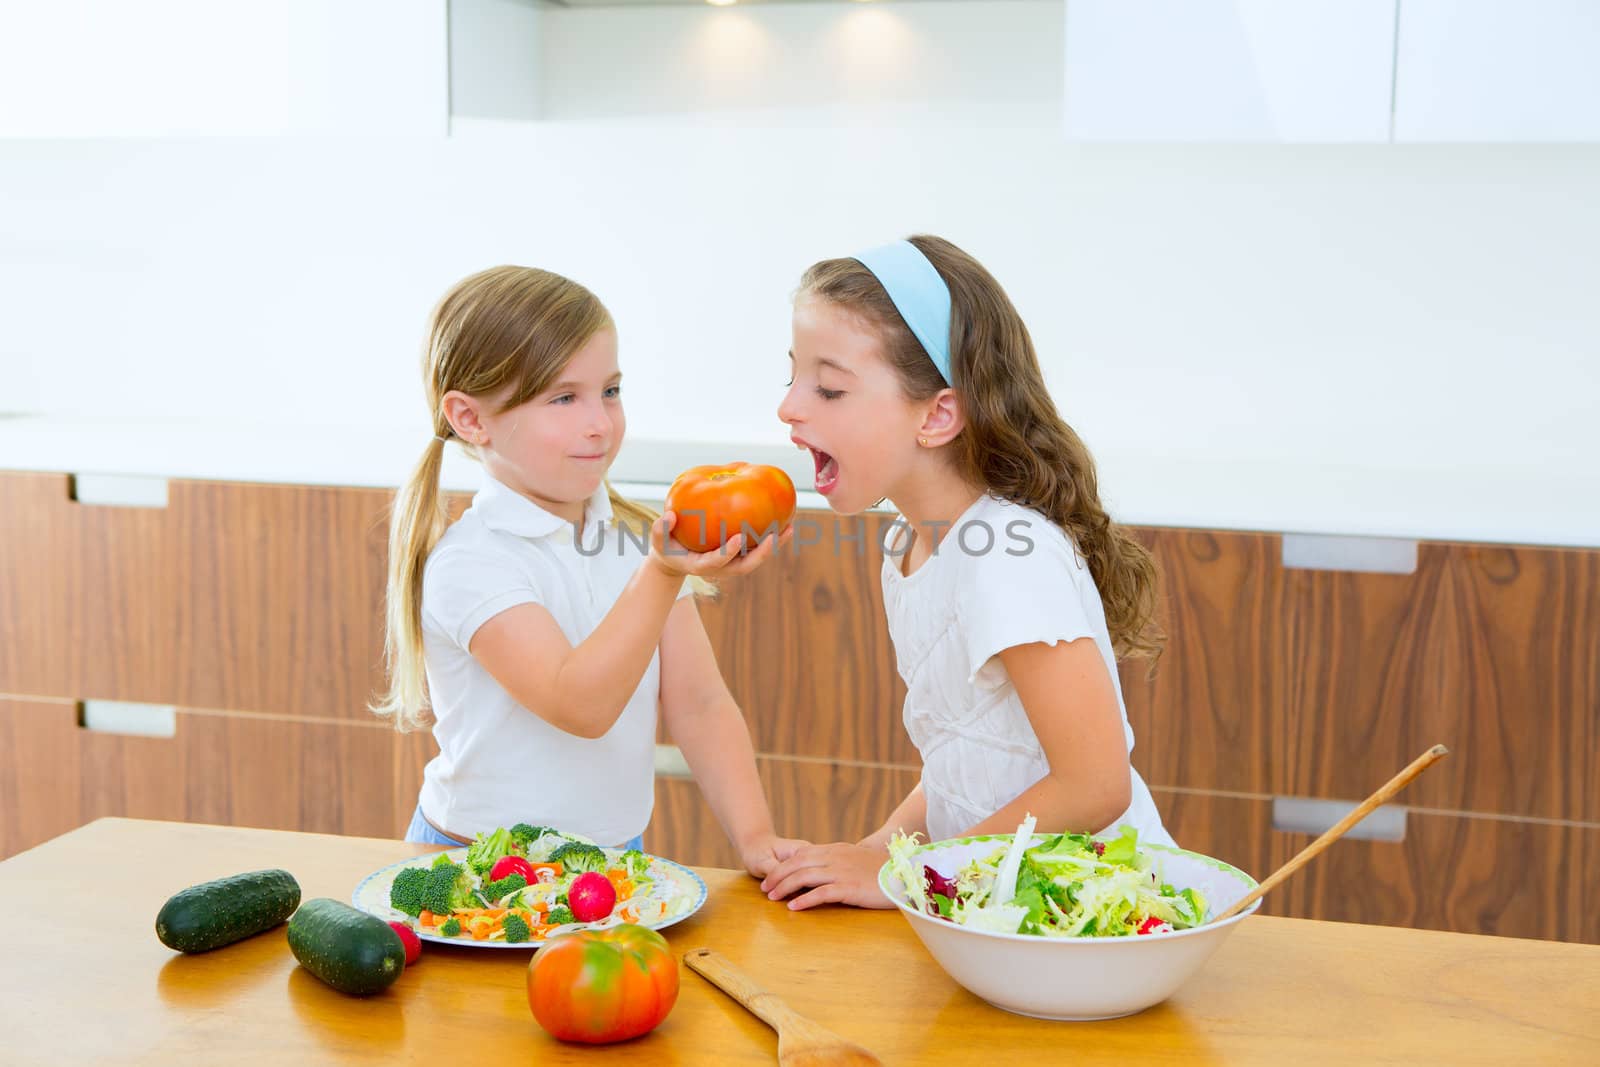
(715, 503)
(741, 502)
(731, 560)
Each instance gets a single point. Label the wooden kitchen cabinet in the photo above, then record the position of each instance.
(266, 599)
(1322, 684)
(235, 770)
(1211, 714)
(257, 611)
(1489, 649)
(1509, 877)
(1513, 878)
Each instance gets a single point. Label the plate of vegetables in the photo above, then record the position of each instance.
(516, 887)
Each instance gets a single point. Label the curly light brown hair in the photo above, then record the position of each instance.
(1015, 443)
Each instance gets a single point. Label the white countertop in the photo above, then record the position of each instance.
(1196, 490)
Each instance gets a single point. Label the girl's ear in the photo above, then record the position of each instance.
(465, 417)
(943, 420)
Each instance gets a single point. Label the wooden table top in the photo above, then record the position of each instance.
(84, 980)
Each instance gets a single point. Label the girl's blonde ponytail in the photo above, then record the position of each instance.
(418, 521)
(507, 333)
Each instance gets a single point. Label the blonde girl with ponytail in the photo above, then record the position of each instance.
(539, 634)
(1010, 593)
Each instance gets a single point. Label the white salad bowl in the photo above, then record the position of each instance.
(1074, 978)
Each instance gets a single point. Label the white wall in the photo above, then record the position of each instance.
(1426, 306)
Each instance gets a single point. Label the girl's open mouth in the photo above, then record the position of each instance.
(827, 471)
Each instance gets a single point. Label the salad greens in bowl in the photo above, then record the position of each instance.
(1064, 926)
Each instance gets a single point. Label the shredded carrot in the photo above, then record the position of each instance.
(427, 918)
(621, 883)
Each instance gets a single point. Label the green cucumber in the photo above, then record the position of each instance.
(213, 914)
(351, 951)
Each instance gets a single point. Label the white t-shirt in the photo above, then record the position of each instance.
(1002, 575)
(500, 764)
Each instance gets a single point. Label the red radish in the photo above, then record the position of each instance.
(408, 938)
(506, 866)
(591, 897)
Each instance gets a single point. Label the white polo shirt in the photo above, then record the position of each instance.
(1004, 575)
(499, 763)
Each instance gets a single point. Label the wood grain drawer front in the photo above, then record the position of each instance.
(1469, 875)
(233, 770)
(1475, 875)
(815, 801)
(1232, 829)
(1491, 650)
(1322, 684)
(805, 648)
(1213, 714)
(241, 597)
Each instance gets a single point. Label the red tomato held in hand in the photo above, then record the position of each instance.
(506, 866)
(600, 986)
(716, 502)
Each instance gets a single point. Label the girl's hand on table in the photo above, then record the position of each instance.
(764, 854)
(839, 873)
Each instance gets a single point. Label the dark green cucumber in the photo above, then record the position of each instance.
(350, 950)
(213, 914)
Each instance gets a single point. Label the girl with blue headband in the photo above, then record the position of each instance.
(1010, 593)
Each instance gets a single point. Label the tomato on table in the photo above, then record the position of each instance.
(600, 986)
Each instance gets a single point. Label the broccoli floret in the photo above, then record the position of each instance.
(449, 887)
(637, 862)
(509, 884)
(405, 894)
(487, 848)
(451, 927)
(522, 835)
(560, 914)
(577, 857)
(516, 930)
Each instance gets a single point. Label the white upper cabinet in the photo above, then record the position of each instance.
(182, 68)
(1498, 70)
(1229, 70)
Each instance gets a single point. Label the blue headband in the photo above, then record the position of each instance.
(919, 294)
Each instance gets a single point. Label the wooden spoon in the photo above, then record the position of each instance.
(1338, 829)
(801, 1042)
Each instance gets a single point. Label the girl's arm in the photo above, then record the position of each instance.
(704, 721)
(584, 689)
(1072, 705)
(910, 817)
